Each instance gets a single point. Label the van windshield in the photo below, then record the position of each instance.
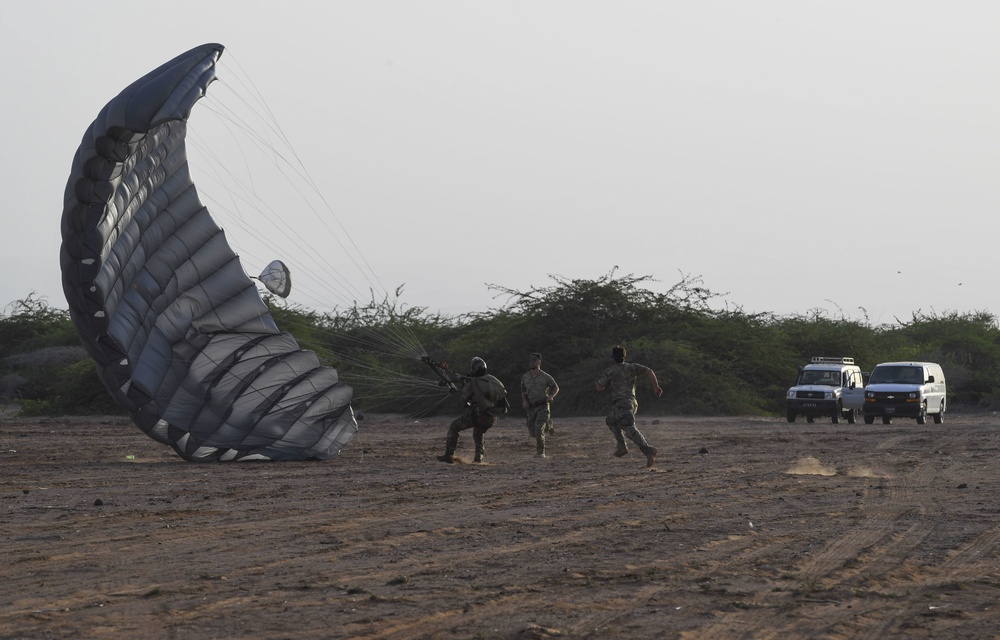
(816, 376)
(897, 375)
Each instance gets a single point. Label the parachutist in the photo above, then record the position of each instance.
(486, 400)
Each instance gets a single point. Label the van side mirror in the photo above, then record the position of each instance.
(930, 379)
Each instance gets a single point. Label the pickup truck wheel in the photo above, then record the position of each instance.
(922, 415)
(886, 420)
(851, 415)
(869, 419)
(836, 414)
(791, 416)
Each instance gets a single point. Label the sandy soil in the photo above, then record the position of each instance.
(746, 528)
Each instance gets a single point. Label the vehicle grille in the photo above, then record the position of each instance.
(890, 396)
(810, 395)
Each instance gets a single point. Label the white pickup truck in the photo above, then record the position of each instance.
(827, 386)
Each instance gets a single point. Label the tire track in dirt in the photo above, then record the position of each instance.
(881, 542)
(387, 543)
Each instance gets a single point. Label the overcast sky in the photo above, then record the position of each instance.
(796, 155)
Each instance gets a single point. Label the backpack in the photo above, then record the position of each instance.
(501, 407)
(497, 409)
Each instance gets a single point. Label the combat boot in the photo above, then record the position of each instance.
(448, 457)
(478, 458)
(650, 456)
(621, 450)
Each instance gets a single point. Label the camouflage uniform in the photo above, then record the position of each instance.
(476, 417)
(620, 378)
(539, 389)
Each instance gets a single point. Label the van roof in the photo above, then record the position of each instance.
(913, 364)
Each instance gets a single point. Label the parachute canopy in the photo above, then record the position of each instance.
(277, 278)
(179, 332)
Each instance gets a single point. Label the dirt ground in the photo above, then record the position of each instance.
(745, 528)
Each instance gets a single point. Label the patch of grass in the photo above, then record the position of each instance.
(32, 559)
(869, 593)
(809, 585)
(711, 589)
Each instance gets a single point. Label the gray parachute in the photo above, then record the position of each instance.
(179, 332)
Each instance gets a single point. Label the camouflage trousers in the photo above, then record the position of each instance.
(621, 421)
(478, 422)
(539, 419)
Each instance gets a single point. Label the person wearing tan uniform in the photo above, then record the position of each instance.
(538, 389)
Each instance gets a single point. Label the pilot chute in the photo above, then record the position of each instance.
(276, 278)
(179, 332)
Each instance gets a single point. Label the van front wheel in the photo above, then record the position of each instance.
(922, 415)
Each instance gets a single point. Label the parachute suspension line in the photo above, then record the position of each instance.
(273, 123)
(254, 200)
(402, 340)
(281, 163)
(375, 348)
(250, 198)
(260, 206)
(385, 385)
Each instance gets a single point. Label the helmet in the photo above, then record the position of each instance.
(477, 367)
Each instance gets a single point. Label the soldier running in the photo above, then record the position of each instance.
(620, 377)
(538, 389)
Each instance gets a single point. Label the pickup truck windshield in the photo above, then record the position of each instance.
(814, 376)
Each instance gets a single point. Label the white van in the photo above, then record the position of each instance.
(906, 389)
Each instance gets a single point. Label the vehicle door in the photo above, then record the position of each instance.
(852, 396)
(935, 389)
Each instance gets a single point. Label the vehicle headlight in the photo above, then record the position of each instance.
(828, 395)
(869, 394)
(790, 394)
(912, 395)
